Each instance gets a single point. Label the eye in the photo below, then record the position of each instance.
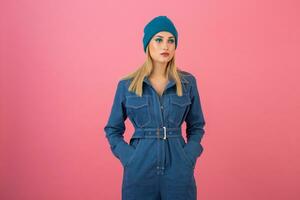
(158, 40)
(171, 40)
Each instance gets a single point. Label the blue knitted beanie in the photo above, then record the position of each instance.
(160, 23)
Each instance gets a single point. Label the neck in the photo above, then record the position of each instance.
(159, 70)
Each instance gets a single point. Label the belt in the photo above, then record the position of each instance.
(164, 132)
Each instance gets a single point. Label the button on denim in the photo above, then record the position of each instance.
(158, 162)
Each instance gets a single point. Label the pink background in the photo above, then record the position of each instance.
(60, 63)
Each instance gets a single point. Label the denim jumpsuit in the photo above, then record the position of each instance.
(158, 162)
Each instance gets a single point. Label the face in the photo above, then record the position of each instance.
(162, 42)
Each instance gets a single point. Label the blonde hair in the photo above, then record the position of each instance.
(145, 70)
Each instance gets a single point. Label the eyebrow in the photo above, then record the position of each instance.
(162, 36)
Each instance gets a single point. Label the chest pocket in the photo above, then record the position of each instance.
(179, 106)
(138, 109)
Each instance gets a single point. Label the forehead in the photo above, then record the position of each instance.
(164, 34)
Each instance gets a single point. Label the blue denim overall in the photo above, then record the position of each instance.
(158, 163)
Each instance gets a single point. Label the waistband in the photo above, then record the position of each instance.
(164, 132)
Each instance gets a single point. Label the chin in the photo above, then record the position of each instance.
(164, 61)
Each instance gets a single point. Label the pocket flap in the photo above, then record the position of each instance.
(183, 100)
(136, 102)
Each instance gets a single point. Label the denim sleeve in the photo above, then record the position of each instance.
(195, 123)
(115, 126)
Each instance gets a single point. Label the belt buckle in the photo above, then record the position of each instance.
(165, 133)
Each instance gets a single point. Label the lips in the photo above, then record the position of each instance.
(164, 54)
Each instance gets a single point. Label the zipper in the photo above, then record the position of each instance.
(160, 112)
(162, 116)
(158, 100)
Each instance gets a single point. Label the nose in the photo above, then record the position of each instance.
(165, 45)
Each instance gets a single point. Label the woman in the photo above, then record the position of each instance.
(157, 98)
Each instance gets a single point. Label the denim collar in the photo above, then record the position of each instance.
(170, 83)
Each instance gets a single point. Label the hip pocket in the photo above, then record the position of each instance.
(185, 157)
(135, 143)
